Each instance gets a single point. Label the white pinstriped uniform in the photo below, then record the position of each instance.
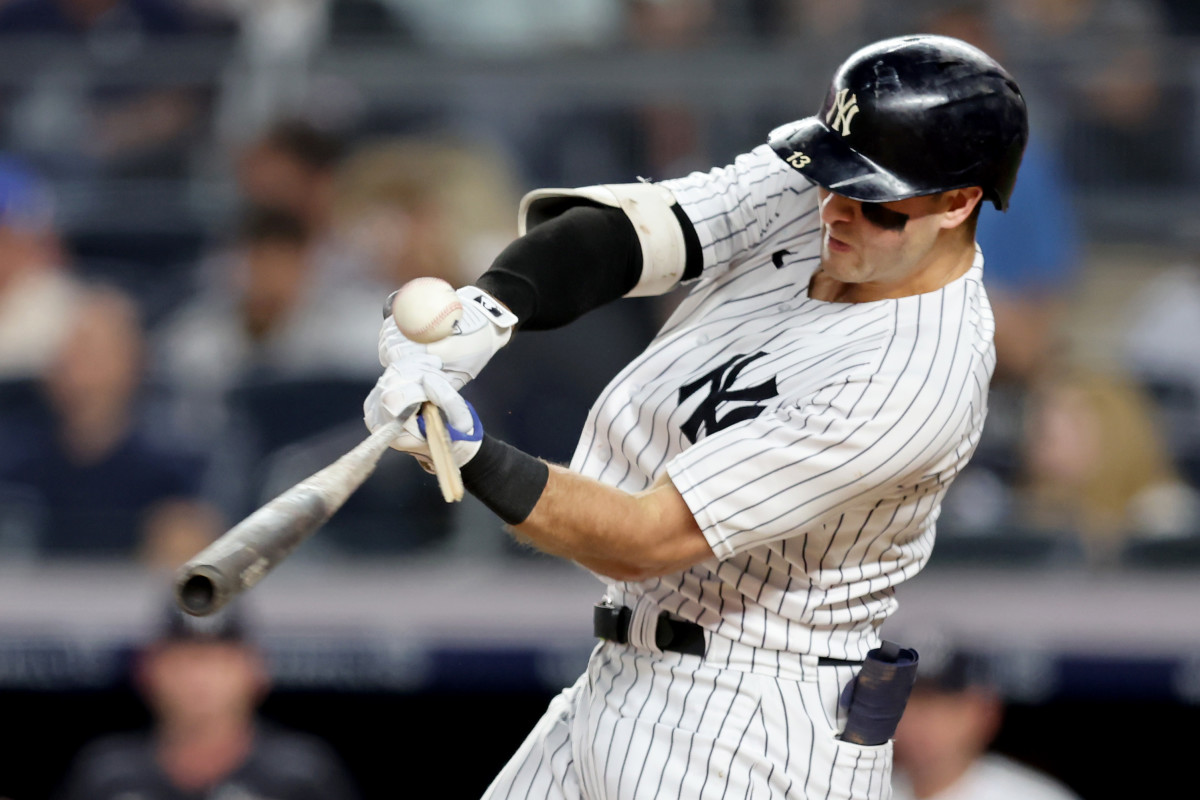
(818, 495)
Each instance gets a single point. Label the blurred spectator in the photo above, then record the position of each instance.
(37, 294)
(1122, 117)
(941, 745)
(672, 134)
(203, 680)
(115, 129)
(276, 72)
(835, 27)
(1032, 250)
(98, 461)
(292, 166)
(275, 321)
(1094, 467)
(516, 26)
(1161, 349)
(1032, 257)
(421, 207)
(176, 530)
(1096, 463)
(1031, 254)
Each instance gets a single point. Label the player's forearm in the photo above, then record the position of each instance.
(565, 267)
(587, 256)
(620, 535)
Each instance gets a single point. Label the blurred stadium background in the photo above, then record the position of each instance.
(203, 203)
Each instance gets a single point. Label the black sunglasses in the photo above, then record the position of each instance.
(885, 218)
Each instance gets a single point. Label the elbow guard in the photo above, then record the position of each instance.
(647, 205)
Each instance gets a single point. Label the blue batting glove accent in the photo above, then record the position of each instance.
(456, 435)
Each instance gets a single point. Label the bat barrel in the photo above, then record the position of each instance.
(202, 591)
(257, 544)
(251, 549)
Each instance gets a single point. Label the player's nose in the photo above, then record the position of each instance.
(835, 208)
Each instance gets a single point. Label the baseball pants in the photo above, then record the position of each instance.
(735, 723)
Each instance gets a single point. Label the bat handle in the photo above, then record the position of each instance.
(438, 438)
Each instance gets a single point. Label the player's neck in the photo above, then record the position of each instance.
(200, 756)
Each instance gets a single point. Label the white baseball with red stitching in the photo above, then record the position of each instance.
(425, 309)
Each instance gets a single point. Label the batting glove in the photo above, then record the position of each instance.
(463, 446)
(485, 327)
(403, 388)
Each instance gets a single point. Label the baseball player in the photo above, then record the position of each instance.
(754, 485)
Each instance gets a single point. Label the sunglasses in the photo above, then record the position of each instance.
(884, 218)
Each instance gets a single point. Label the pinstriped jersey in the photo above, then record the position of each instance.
(813, 441)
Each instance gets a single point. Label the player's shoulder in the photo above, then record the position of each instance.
(112, 758)
(295, 752)
(759, 167)
(1008, 778)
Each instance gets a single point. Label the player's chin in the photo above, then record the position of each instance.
(839, 264)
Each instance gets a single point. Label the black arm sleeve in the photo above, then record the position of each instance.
(585, 257)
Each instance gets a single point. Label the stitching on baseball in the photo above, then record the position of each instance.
(447, 311)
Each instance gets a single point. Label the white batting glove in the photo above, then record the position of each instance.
(403, 388)
(485, 327)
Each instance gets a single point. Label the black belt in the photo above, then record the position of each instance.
(670, 634)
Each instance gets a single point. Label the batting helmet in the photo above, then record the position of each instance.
(912, 116)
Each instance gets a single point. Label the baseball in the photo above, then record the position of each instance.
(425, 309)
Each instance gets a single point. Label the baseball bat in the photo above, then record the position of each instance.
(449, 477)
(256, 545)
(249, 550)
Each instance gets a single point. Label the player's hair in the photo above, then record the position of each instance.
(1130, 457)
(269, 224)
(305, 143)
(477, 186)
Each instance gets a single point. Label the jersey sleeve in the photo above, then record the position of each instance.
(791, 470)
(735, 209)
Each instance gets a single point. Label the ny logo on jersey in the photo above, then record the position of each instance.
(720, 390)
(842, 111)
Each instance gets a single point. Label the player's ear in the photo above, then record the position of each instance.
(959, 204)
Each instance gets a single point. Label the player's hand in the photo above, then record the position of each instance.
(402, 389)
(463, 444)
(485, 327)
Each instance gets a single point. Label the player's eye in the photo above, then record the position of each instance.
(885, 218)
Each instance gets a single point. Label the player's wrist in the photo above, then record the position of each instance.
(486, 326)
(507, 480)
(466, 438)
(515, 292)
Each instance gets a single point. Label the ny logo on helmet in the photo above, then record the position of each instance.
(842, 111)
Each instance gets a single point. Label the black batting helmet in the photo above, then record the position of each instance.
(912, 116)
